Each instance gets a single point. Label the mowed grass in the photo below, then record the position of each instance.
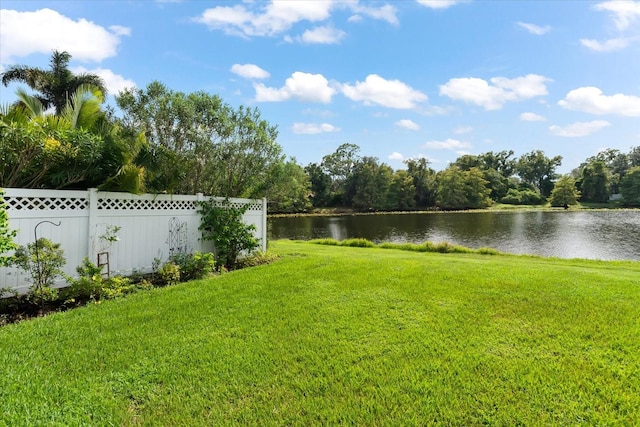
(332, 335)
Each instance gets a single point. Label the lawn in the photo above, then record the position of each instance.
(332, 335)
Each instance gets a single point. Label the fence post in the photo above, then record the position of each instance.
(93, 220)
(264, 224)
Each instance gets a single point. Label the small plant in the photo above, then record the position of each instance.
(89, 282)
(108, 238)
(169, 273)
(223, 225)
(43, 261)
(6, 235)
(196, 265)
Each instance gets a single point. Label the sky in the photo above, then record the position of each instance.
(401, 79)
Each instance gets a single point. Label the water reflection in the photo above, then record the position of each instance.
(575, 234)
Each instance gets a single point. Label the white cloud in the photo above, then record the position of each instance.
(395, 156)
(384, 13)
(25, 33)
(313, 128)
(408, 124)
(531, 117)
(376, 90)
(535, 29)
(579, 129)
(448, 144)
(462, 130)
(438, 4)
(249, 71)
(624, 13)
(115, 83)
(591, 100)
(610, 45)
(301, 86)
(322, 35)
(492, 96)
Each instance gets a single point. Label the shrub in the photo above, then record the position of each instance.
(196, 265)
(358, 243)
(169, 273)
(522, 197)
(6, 235)
(43, 260)
(222, 224)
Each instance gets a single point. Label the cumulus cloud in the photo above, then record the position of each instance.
(535, 29)
(624, 13)
(376, 90)
(115, 83)
(408, 124)
(531, 117)
(592, 100)
(322, 35)
(277, 17)
(249, 71)
(301, 86)
(438, 4)
(25, 33)
(448, 144)
(395, 156)
(579, 129)
(494, 94)
(610, 45)
(313, 128)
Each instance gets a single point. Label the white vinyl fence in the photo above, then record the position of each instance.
(151, 227)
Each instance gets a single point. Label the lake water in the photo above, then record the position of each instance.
(606, 235)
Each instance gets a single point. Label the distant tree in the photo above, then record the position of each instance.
(630, 187)
(368, 185)
(634, 156)
(458, 189)
(290, 188)
(320, 185)
(564, 192)
(54, 87)
(594, 182)
(424, 181)
(402, 192)
(538, 170)
(339, 166)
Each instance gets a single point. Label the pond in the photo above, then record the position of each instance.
(606, 235)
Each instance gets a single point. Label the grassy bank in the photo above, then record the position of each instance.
(329, 335)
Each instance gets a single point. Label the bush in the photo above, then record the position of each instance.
(43, 260)
(169, 273)
(91, 284)
(6, 235)
(522, 197)
(194, 266)
(222, 224)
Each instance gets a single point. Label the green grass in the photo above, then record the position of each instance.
(333, 335)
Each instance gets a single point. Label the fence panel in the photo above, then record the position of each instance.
(150, 227)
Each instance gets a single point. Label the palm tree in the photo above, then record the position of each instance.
(55, 86)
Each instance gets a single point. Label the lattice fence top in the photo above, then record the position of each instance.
(253, 205)
(145, 204)
(19, 203)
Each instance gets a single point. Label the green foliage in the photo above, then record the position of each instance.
(538, 170)
(564, 192)
(630, 187)
(367, 187)
(357, 243)
(594, 182)
(6, 235)
(289, 188)
(43, 260)
(194, 266)
(458, 189)
(222, 224)
(440, 247)
(523, 197)
(89, 282)
(424, 181)
(169, 273)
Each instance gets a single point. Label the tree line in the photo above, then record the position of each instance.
(162, 140)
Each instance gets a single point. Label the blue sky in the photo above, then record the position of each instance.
(401, 79)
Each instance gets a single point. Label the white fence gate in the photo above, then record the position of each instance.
(151, 226)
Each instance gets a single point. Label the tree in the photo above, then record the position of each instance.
(458, 189)
(290, 189)
(320, 185)
(402, 192)
(594, 182)
(339, 166)
(564, 192)
(424, 181)
(630, 187)
(55, 86)
(368, 185)
(538, 170)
